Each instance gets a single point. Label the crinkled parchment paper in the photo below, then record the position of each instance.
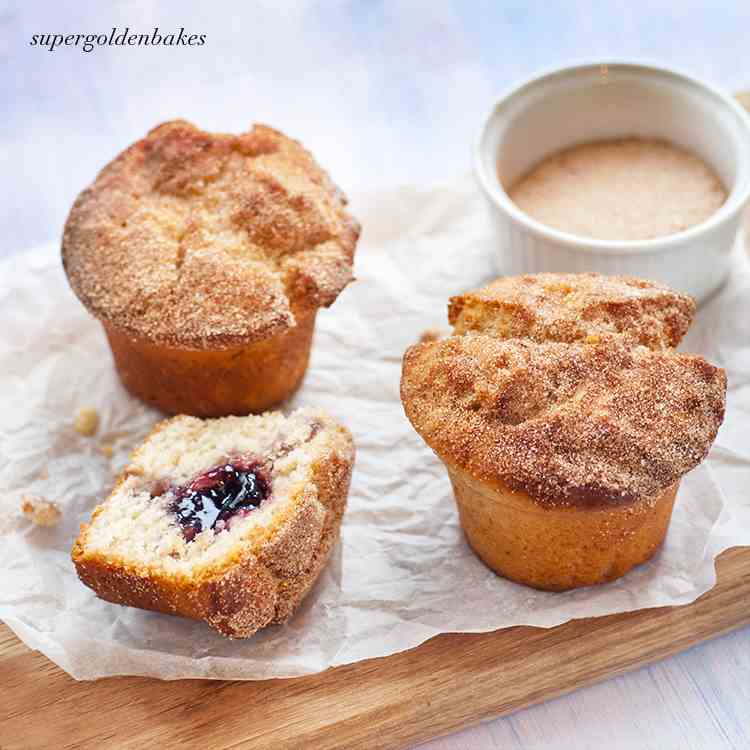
(402, 572)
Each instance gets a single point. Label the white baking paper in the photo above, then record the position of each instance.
(402, 572)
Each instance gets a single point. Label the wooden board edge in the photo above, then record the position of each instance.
(448, 683)
(654, 656)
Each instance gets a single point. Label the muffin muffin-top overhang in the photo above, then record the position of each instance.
(201, 240)
(569, 424)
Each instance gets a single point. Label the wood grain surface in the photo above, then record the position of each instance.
(449, 682)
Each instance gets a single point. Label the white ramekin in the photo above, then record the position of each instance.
(607, 100)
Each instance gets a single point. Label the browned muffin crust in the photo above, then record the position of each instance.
(204, 240)
(570, 424)
(575, 307)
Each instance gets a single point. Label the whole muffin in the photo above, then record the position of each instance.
(565, 420)
(206, 258)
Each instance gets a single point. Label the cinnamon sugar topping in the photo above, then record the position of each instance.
(567, 423)
(575, 307)
(204, 240)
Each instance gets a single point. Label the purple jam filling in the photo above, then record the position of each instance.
(214, 497)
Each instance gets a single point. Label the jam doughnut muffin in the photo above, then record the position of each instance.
(206, 258)
(574, 307)
(227, 520)
(564, 458)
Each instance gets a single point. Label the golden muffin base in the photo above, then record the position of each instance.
(558, 547)
(239, 380)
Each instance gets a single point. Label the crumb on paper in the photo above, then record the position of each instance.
(107, 449)
(44, 474)
(432, 334)
(87, 421)
(40, 511)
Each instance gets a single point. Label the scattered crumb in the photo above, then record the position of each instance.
(432, 334)
(87, 421)
(107, 449)
(592, 338)
(40, 511)
(44, 474)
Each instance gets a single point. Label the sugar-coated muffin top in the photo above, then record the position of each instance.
(568, 423)
(575, 307)
(205, 240)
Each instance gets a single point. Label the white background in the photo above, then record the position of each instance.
(383, 94)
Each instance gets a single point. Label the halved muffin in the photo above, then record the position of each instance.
(206, 257)
(228, 520)
(574, 307)
(564, 457)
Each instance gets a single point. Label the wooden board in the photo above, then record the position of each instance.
(449, 682)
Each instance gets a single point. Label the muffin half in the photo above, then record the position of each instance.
(206, 258)
(228, 521)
